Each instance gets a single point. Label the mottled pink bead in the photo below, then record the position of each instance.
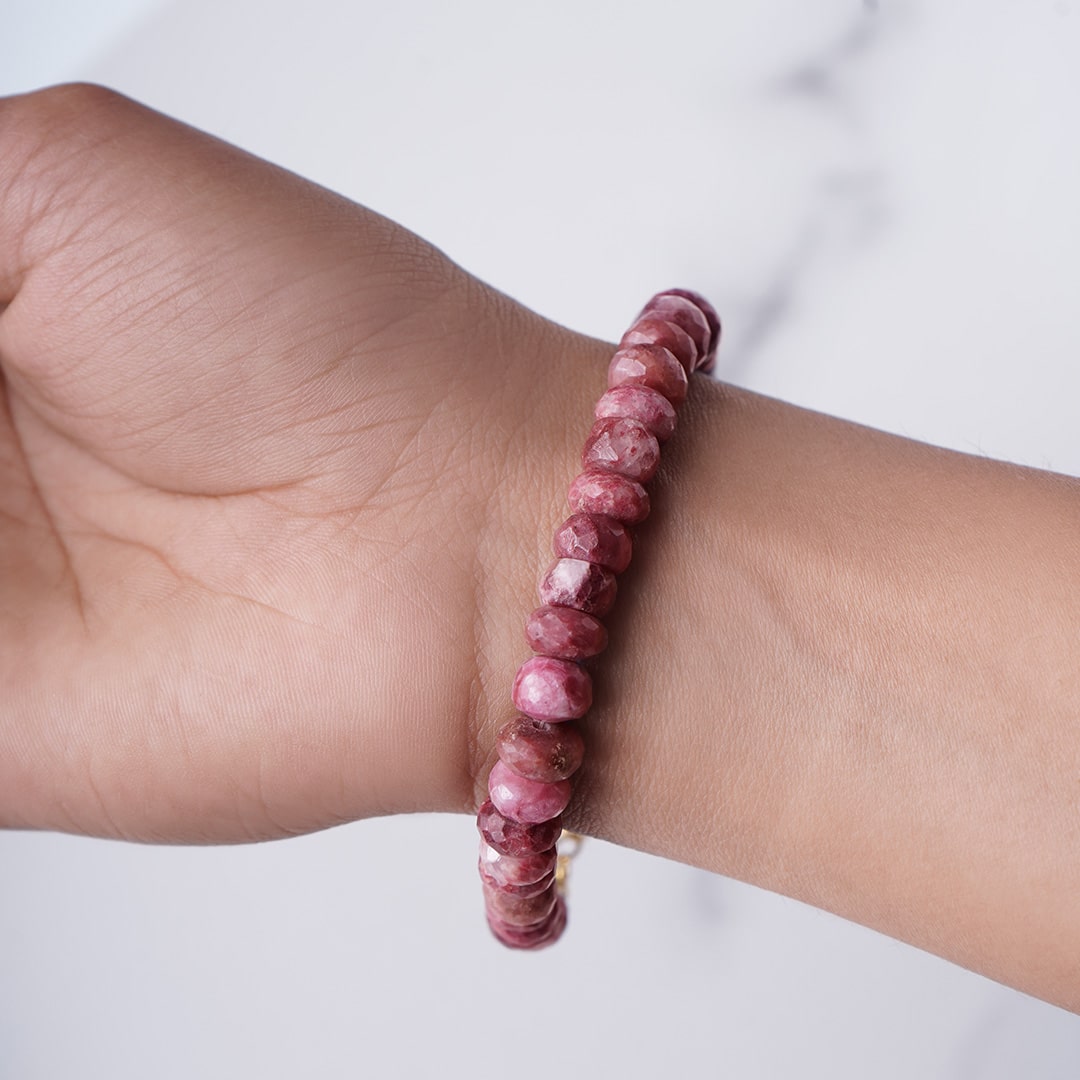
(533, 888)
(622, 446)
(596, 492)
(535, 937)
(565, 632)
(704, 363)
(520, 870)
(526, 800)
(596, 539)
(652, 330)
(579, 584)
(647, 406)
(547, 688)
(677, 309)
(652, 366)
(516, 838)
(540, 751)
(520, 911)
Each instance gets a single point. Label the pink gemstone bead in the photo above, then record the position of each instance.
(684, 313)
(514, 837)
(652, 366)
(565, 632)
(519, 910)
(648, 407)
(547, 688)
(596, 539)
(539, 751)
(622, 446)
(652, 330)
(704, 363)
(537, 937)
(533, 888)
(526, 800)
(614, 496)
(578, 584)
(523, 870)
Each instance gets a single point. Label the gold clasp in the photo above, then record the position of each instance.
(569, 846)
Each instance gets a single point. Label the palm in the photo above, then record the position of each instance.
(240, 504)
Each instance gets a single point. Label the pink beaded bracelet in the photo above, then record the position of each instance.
(520, 824)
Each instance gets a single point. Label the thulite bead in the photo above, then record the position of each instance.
(515, 838)
(578, 584)
(565, 632)
(683, 312)
(533, 888)
(647, 406)
(652, 330)
(622, 446)
(596, 539)
(526, 800)
(614, 496)
(519, 910)
(547, 688)
(704, 363)
(536, 937)
(539, 751)
(652, 366)
(507, 870)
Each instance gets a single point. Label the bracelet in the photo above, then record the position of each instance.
(520, 824)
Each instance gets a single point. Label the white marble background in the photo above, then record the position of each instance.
(881, 197)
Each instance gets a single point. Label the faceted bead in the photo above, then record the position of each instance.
(537, 937)
(565, 632)
(652, 330)
(539, 751)
(578, 584)
(547, 688)
(526, 800)
(533, 888)
(704, 363)
(622, 446)
(683, 312)
(596, 539)
(648, 407)
(596, 492)
(652, 366)
(519, 911)
(515, 838)
(508, 870)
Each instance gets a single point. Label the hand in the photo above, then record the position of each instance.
(254, 446)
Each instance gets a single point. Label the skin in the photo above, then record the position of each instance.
(277, 478)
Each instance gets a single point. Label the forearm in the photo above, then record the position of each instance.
(843, 667)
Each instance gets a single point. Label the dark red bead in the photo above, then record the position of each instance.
(641, 403)
(620, 445)
(596, 539)
(540, 751)
(682, 311)
(704, 363)
(652, 330)
(565, 632)
(516, 838)
(522, 911)
(596, 492)
(579, 584)
(652, 366)
(537, 937)
(529, 889)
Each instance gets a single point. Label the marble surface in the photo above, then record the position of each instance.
(881, 199)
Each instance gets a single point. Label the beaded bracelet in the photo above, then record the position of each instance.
(676, 333)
